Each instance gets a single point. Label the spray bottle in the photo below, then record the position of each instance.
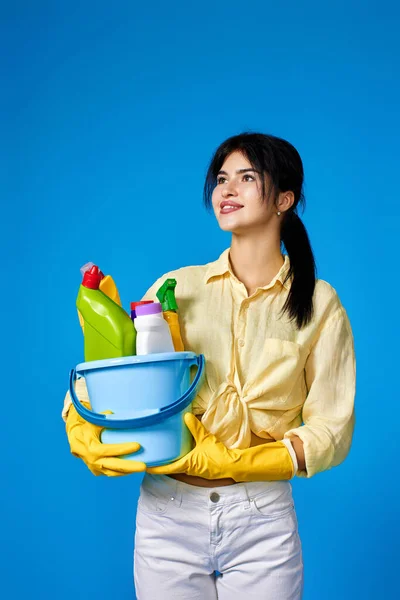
(166, 296)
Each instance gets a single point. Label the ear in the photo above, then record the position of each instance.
(285, 201)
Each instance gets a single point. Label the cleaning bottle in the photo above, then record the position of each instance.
(166, 296)
(108, 329)
(153, 334)
(107, 286)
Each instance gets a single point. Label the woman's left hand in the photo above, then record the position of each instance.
(209, 458)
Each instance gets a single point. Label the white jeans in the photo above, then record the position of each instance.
(247, 532)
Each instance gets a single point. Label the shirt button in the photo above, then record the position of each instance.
(241, 343)
(214, 497)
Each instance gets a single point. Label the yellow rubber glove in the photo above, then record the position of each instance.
(211, 459)
(84, 440)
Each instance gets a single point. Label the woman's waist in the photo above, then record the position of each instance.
(200, 481)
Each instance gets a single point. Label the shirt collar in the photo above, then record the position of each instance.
(222, 266)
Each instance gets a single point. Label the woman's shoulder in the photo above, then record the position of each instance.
(324, 288)
(326, 299)
(204, 271)
(187, 273)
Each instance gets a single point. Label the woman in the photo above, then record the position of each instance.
(278, 396)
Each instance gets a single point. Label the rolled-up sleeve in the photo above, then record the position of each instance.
(328, 411)
(81, 392)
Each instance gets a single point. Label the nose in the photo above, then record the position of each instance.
(229, 189)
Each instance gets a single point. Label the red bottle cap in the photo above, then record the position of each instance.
(92, 278)
(135, 304)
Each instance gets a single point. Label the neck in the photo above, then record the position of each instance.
(255, 259)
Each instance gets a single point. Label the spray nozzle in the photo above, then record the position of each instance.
(166, 295)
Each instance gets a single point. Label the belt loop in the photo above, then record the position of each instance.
(176, 496)
(248, 495)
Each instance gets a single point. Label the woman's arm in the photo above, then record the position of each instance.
(328, 411)
(298, 447)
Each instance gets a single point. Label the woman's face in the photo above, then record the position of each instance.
(237, 197)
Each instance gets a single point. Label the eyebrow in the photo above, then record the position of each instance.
(238, 171)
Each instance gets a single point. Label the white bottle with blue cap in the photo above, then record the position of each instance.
(153, 332)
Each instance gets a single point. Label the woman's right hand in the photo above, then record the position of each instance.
(101, 459)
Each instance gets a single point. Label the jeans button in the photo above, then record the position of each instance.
(214, 497)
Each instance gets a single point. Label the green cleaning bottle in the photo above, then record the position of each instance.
(108, 329)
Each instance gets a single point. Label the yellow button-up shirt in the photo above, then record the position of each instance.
(262, 374)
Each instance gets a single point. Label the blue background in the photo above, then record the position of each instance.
(110, 114)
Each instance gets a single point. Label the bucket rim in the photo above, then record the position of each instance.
(135, 359)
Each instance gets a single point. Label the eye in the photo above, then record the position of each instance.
(248, 175)
(220, 179)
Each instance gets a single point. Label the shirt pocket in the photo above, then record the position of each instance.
(153, 504)
(273, 503)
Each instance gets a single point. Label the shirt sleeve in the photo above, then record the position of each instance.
(328, 412)
(80, 385)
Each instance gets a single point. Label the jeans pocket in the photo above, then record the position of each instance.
(273, 504)
(151, 504)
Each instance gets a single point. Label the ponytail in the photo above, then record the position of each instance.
(294, 236)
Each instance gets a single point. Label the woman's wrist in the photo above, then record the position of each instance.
(298, 447)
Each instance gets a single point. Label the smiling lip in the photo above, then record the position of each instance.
(228, 206)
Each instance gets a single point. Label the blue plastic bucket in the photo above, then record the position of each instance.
(148, 396)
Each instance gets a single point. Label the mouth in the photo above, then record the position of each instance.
(228, 206)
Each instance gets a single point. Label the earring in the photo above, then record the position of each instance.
(279, 213)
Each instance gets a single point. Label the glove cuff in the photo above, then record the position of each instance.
(293, 455)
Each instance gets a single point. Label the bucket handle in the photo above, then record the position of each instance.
(154, 415)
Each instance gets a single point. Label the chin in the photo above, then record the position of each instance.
(232, 227)
(228, 228)
(229, 225)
